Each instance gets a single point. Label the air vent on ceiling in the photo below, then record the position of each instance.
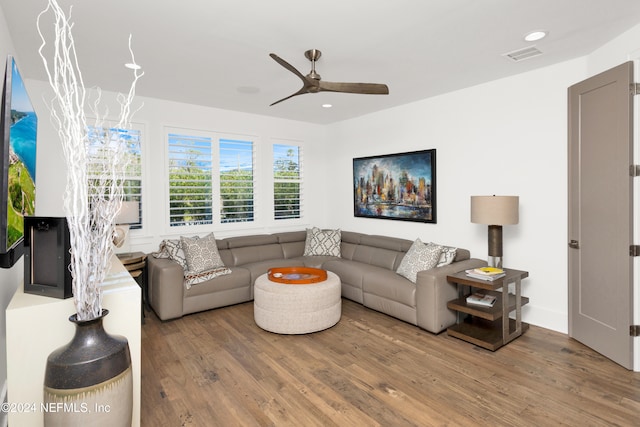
(522, 54)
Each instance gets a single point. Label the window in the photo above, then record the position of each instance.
(236, 181)
(190, 180)
(99, 149)
(214, 180)
(287, 181)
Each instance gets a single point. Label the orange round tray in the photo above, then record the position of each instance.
(297, 275)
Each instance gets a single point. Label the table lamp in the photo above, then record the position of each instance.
(129, 214)
(495, 211)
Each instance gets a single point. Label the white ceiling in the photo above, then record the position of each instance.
(216, 52)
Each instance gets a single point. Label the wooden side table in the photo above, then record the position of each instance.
(489, 327)
(136, 265)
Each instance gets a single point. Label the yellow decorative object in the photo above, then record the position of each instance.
(488, 270)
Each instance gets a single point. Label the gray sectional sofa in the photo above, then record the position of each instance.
(367, 268)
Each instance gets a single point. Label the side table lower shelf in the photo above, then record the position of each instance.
(483, 333)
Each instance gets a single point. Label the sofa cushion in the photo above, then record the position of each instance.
(201, 254)
(322, 242)
(293, 243)
(291, 236)
(237, 278)
(350, 272)
(250, 254)
(351, 275)
(292, 249)
(419, 257)
(315, 261)
(347, 249)
(250, 241)
(351, 237)
(462, 255)
(389, 285)
(380, 257)
(385, 242)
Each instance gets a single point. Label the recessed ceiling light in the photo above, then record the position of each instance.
(327, 105)
(132, 66)
(536, 35)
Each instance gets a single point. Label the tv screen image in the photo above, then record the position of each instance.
(19, 125)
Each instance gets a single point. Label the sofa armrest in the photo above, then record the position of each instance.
(433, 291)
(166, 288)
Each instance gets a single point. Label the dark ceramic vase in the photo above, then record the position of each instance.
(89, 380)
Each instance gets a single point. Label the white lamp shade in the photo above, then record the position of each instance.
(129, 213)
(494, 210)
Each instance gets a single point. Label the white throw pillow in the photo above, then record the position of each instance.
(419, 257)
(201, 254)
(323, 242)
(447, 256)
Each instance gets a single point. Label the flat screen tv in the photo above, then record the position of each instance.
(19, 126)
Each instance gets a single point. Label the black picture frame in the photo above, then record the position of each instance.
(399, 186)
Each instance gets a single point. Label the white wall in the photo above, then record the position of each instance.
(505, 137)
(154, 117)
(12, 277)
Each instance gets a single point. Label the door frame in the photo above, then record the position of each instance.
(635, 57)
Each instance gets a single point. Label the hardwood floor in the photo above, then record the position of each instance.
(217, 368)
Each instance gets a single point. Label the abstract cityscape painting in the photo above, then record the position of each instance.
(398, 186)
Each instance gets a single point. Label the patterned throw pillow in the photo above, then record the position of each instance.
(172, 249)
(323, 242)
(447, 256)
(419, 257)
(201, 254)
(307, 242)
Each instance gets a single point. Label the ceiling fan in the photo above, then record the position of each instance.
(311, 83)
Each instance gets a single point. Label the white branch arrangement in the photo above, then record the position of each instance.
(96, 161)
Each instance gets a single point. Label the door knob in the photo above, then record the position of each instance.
(574, 244)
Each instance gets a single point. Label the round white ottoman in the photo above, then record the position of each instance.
(297, 309)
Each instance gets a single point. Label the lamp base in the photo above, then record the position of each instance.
(494, 261)
(495, 246)
(120, 238)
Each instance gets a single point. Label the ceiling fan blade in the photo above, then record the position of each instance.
(288, 66)
(300, 92)
(308, 84)
(363, 88)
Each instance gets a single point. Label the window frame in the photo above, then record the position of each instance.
(299, 180)
(167, 206)
(254, 171)
(216, 204)
(135, 229)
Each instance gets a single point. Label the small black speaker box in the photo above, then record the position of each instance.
(47, 257)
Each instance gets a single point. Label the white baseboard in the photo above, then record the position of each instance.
(545, 318)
